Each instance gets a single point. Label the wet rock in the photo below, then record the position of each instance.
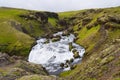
(76, 55)
(70, 46)
(56, 38)
(32, 68)
(71, 60)
(47, 41)
(74, 50)
(66, 66)
(62, 65)
(65, 33)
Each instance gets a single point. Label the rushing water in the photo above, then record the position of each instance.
(52, 54)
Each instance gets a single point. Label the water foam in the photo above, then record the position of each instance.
(52, 54)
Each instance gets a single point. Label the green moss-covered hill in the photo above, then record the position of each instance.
(98, 31)
(19, 29)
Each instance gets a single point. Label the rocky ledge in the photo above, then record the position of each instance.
(17, 68)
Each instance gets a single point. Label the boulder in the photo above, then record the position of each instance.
(74, 50)
(32, 68)
(56, 38)
(76, 55)
(5, 59)
(62, 65)
(65, 33)
(14, 73)
(71, 60)
(73, 66)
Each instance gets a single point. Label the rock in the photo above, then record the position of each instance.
(67, 61)
(5, 59)
(103, 19)
(86, 20)
(1, 76)
(14, 74)
(74, 50)
(73, 66)
(56, 38)
(32, 68)
(70, 46)
(71, 60)
(66, 66)
(52, 15)
(76, 55)
(65, 33)
(62, 65)
(47, 41)
(39, 77)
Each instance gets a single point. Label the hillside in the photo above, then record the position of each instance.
(19, 29)
(97, 30)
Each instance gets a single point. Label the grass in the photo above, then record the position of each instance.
(85, 33)
(12, 40)
(52, 21)
(31, 77)
(69, 13)
(95, 41)
(65, 73)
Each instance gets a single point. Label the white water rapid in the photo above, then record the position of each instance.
(52, 54)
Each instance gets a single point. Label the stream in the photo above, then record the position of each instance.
(55, 56)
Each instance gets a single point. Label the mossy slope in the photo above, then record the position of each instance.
(19, 29)
(98, 31)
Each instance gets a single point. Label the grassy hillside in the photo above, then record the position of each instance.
(98, 31)
(19, 28)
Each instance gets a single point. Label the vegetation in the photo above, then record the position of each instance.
(19, 29)
(97, 30)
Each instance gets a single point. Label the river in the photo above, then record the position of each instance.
(52, 54)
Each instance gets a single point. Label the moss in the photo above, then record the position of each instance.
(17, 33)
(70, 46)
(106, 60)
(64, 74)
(53, 21)
(117, 79)
(97, 40)
(84, 33)
(31, 77)
(76, 55)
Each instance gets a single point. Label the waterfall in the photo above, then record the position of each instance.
(52, 54)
